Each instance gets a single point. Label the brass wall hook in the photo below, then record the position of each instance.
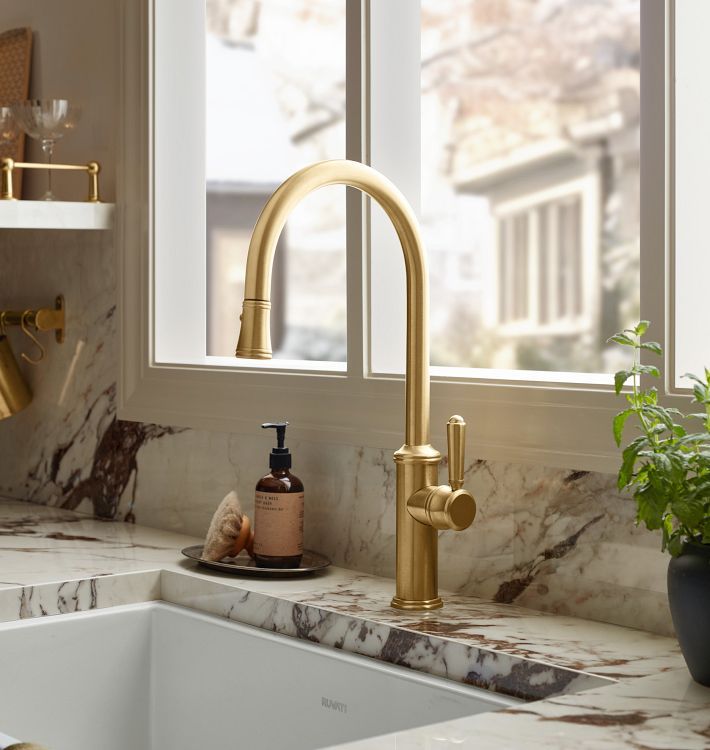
(33, 338)
(41, 319)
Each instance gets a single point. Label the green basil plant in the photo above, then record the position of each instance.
(667, 466)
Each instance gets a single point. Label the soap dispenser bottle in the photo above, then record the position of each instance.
(278, 510)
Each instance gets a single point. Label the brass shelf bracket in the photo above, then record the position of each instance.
(8, 165)
(41, 319)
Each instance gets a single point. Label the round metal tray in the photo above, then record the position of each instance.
(244, 565)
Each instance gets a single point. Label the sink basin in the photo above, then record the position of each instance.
(158, 677)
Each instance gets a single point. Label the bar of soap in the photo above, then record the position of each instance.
(230, 531)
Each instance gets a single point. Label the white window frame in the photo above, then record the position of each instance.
(532, 422)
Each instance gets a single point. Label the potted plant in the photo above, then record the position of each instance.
(667, 470)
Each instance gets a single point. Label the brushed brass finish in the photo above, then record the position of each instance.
(456, 439)
(15, 394)
(443, 508)
(422, 506)
(257, 282)
(6, 168)
(447, 506)
(255, 333)
(41, 319)
(8, 165)
(93, 168)
(24, 325)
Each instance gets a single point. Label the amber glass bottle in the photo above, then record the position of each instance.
(278, 509)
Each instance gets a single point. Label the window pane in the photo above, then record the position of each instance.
(692, 165)
(530, 157)
(276, 102)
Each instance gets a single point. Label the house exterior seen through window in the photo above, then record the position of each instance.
(530, 161)
(539, 279)
(529, 176)
(275, 103)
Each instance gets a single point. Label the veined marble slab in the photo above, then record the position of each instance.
(65, 561)
(594, 684)
(663, 712)
(559, 540)
(39, 544)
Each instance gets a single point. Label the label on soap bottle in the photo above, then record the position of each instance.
(278, 524)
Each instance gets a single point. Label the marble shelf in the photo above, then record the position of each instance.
(23, 214)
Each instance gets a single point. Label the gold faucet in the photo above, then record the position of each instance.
(423, 508)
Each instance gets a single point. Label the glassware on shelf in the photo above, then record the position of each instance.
(46, 120)
(10, 143)
(8, 126)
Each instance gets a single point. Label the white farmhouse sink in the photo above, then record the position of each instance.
(159, 677)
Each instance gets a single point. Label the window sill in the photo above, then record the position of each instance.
(515, 423)
(233, 364)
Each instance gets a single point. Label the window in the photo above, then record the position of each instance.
(539, 268)
(519, 99)
(691, 259)
(275, 101)
(543, 277)
(514, 128)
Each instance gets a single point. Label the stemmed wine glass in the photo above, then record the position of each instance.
(8, 126)
(46, 120)
(9, 133)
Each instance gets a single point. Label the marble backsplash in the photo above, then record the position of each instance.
(562, 541)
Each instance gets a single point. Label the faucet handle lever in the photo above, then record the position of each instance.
(456, 438)
(447, 506)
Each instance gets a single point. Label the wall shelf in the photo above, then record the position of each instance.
(55, 215)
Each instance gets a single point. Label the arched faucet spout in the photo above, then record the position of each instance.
(423, 506)
(254, 336)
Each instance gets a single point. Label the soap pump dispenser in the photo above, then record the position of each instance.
(278, 509)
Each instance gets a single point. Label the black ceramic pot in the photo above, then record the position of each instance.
(689, 597)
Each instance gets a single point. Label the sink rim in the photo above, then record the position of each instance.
(377, 665)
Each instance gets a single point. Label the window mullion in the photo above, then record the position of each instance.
(653, 181)
(394, 123)
(357, 35)
(553, 263)
(533, 267)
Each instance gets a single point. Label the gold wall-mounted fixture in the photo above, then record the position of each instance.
(15, 394)
(41, 319)
(8, 165)
(422, 507)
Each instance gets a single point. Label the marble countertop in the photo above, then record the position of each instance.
(588, 683)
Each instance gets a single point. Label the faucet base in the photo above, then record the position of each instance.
(424, 604)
